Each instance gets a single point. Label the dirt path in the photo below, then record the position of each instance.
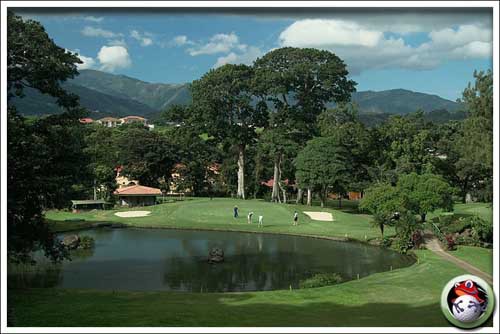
(432, 243)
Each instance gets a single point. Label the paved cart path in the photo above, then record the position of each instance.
(432, 243)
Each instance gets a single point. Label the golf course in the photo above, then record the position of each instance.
(401, 297)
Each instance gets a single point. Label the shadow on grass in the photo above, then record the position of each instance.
(55, 307)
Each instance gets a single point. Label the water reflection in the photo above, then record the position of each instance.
(153, 259)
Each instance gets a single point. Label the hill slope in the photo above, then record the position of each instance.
(117, 95)
(99, 104)
(401, 101)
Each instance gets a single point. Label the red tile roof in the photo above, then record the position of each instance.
(86, 120)
(270, 183)
(137, 190)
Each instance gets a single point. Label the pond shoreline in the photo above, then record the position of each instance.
(106, 224)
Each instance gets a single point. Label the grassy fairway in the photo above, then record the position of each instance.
(405, 297)
(481, 258)
(483, 210)
(217, 214)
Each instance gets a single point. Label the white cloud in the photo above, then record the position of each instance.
(98, 32)
(145, 39)
(113, 57)
(88, 62)
(219, 43)
(181, 40)
(93, 18)
(117, 42)
(363, 47)
(247, 57)
(320, 33)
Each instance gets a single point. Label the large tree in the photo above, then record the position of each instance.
(425, 193)
(343, 124)
(474, 141)
(228, 109)
(299, 83)
(43, 156)
(145, 155)
(323, 165)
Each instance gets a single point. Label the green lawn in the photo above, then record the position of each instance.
(483, 210)
(481, 258)
(217, 214)
(404, 297)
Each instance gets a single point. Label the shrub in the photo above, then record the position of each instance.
(320, 280)
(450, 242)
(86, 242)
(407, 228)
(386, 242)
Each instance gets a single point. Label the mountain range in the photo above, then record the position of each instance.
(106, 94)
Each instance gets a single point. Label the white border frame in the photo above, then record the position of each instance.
(235, 4)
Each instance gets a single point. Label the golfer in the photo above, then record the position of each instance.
(295, 218)
(261, 221)
(249, 217)
(235, 211)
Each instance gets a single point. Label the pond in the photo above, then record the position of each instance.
(176, 260)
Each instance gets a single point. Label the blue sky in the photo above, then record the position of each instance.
(431, 51)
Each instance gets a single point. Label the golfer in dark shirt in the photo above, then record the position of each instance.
(235, 211)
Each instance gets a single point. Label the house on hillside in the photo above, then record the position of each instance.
(86, 120)
(123, 181)
(109, 122)
(137, 195)
(133, 119)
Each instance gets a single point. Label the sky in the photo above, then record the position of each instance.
(427, 50)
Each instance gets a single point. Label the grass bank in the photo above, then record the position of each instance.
(217, 214)
(482, 258)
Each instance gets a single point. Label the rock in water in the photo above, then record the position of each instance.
(71, 241)
(216, 255)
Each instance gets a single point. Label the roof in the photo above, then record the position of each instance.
(270, 183)
(109, 119)
(86, 120)
(88, 201)
(133, 117)
(137, 190)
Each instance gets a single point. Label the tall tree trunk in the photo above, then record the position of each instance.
(283, 189)
(340, 201)
(275, 196)
(300, 195)
(95, 190)
(241, 171)
(309, 197)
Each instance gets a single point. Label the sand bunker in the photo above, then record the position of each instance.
(131, 214)
(322, 216)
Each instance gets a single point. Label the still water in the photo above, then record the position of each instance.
(156, 259)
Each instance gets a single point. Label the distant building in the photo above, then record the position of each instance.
(134, 119)
(137, 195)
(109, 122)
(86, 120)
(123, 181)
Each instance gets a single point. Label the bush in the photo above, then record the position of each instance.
(450, 242)
(407, 229)
(386, 242)
(86, 242)
(320, 280)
